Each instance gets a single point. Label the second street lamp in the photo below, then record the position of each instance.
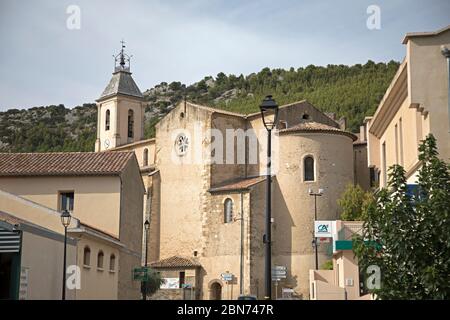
(269, 115)
(144, 283)
(314, 241)
(65, 220)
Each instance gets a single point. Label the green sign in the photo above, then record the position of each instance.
(141, 274)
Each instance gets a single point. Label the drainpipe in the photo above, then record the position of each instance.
(446, 53)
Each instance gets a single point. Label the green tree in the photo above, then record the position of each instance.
(153, 283)
(354, 202)
(408, 236)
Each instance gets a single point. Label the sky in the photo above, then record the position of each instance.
(47, 57)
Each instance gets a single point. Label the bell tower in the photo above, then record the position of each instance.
(120, 108)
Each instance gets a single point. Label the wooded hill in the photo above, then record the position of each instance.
(350, 91)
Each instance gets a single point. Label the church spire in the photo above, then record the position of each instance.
(122, 60)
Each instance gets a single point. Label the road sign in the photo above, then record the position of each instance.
(141, 274)
(227, 276)
(278, 273)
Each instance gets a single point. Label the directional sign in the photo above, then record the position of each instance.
(227, 276)
(278, 273)
(140, 274)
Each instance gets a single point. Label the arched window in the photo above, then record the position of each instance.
(145, 158)
(87, 256)
(112, 262)
(228, 210)
(308, 164)
(100, 259)
(130, 123)
(107, 120)
(305, 116)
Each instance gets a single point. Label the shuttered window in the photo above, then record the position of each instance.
(9, 241)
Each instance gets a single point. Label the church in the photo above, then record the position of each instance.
(205, 194)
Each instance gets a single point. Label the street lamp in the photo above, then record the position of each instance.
(269, 114)
(65, 220)
(144, 284)
(314, 241)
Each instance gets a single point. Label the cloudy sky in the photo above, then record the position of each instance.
(44, 62)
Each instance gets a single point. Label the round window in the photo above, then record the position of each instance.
(181, 144)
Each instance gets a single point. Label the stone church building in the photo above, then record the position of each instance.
(206, 211)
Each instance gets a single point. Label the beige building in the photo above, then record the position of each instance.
(343, 281)
(31, 251)
(415, 105)
(206, 204)
(104, 193)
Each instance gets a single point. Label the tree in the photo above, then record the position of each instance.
(354, 202)
(408, 235)
(153, 283)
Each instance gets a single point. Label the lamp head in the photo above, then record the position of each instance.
(146, 224)
(65, 218)
(268, 108)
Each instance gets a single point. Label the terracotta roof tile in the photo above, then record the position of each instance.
(63, 163)
(175, 262)
(312, 126)
(241, 184)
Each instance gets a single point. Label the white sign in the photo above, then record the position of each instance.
(227, 276)
(23, 286)
(278, 273)
(323, 229)
(170, 283)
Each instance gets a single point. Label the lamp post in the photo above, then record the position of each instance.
(269, 114)
(65, 220)
(144, 283)
(315, 195)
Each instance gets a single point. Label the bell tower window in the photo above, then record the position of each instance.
(107, 120)
(130, 123)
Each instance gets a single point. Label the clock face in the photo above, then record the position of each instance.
(106, 143)
(181, 144)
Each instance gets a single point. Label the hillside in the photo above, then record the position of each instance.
(350, 91)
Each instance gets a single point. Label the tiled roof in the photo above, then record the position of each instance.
(312, 126)
(241, 184)
(63, 163)
(121, 83)
(175, 262)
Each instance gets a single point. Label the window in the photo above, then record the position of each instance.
(182, 279)
(100, 259)
(145, 158)
(305, 116)
(112, 262)
(396, 145)
(130, 123)
(107, 120)
(66, 201)
(400, 137)
(87, 256)
(308, 164)
(228, 210)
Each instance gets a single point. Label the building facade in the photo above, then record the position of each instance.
(104, 194)
(415, 104)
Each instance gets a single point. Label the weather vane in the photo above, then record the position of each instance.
(122, 59)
